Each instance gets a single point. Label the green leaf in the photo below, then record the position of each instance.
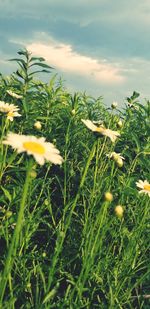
(7, 194)
(42, 65)
(20, 73)
(135, 95)
(37, 58)
(39, 71)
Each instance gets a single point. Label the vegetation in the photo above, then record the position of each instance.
(74, 232)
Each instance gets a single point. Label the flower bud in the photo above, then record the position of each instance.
(8, 214)
(114, 105)
(38, 125)
(114, 156)
(28, 285)
(119, 162)
(33, 174)
(119, 124)
(108, 196)
(119, 211)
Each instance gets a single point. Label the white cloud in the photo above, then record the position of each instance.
(63, 57)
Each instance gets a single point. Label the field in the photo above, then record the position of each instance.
(75, 193)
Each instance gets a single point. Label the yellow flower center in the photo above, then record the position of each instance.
(10, 114)
(147, 187)
(34, 147)
(100, 130)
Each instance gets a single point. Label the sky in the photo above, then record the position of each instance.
(101, 47)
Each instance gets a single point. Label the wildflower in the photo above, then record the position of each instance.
(144, 186)
(37, 147)
(119, 124)
(114, 105)
(108, 196)
(119, 211)
(106, 132)
(14, 95)
(38, 125)
(10, 110)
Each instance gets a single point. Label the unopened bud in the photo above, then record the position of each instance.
(114, 105)
(29, 285)
(38, 125)
(119, 162)
(108, 196)
(119, 211)
(8, 214)
(33, 174)
(119, 124)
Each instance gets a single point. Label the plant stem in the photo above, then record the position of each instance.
(15, 240)
(66, 223)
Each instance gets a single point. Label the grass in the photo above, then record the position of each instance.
(63, 243)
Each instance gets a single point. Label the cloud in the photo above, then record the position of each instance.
(63, 57)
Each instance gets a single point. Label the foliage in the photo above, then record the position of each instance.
(72, 250)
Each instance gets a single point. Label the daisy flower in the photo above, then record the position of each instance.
(106, 132)
(10, 110)
(38, 147)
(14, 95)
(144, 186)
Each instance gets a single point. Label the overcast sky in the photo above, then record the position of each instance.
(98, 46)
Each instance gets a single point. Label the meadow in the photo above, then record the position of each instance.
(75, 195)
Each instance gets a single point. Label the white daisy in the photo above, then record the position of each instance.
(10, 110)
(107, 132)
(37, 147)
(144, 185)
(14, 95)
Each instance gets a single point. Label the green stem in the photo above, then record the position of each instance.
(65, 161)
(66, 223)
(15, 240)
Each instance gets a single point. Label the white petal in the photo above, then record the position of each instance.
(89, 124)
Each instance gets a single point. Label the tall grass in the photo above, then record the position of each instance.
(63, 242)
